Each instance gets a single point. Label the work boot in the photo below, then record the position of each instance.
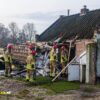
(6, 75)
(57, 73)
(31, 80)
(53, 74)
(9, 75)
(50, 74)
(27, 78)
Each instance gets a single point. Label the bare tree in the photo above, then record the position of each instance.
(29, 30)
(3, 35)
(22, 37)
(14, 30)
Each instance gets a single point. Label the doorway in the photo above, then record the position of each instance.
(83, 73)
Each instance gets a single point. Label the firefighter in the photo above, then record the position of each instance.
(8, 60)
(63, 58)
(30, 67)
(53, 61)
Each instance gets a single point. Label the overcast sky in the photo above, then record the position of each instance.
(40, 12)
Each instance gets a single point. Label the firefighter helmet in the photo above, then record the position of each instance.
(31, 47)
(33, 52)
(10, 46)
(63, 47)
(55, 47)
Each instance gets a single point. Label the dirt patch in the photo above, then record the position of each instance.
(20, 90)
(71, 97)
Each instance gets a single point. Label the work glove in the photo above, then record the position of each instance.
(55, 57)
(12, 66)
(63, 58)
(33, 66)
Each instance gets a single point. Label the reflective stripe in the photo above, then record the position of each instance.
(8, 58)
(29, 66)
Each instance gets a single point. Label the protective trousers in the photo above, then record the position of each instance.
(7, 69)
(63, 66)
(52, 68)
(63, 63)
(29, 74)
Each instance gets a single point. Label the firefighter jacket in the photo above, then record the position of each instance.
(8, 57)
(30, 62)
(63, 57)
(52, 55)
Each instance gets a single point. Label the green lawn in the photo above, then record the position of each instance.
(58, 87)
(62, 86)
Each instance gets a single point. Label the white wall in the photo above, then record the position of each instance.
(82, 58)
(97, 38)
(98, 61)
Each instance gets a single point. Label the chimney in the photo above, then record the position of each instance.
(62, 16)
(68, 12)
(84, 11)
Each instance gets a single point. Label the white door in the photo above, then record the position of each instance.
(73, 73)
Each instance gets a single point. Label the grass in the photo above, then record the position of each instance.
(55, 87)
(98, 85)
(39, 98)
(61, 86)
(58, 86)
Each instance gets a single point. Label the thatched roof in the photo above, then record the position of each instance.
(68, 27)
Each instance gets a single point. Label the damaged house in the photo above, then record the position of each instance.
(82, 25)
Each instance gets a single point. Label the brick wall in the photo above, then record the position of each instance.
(81, 46)
(20, 52)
